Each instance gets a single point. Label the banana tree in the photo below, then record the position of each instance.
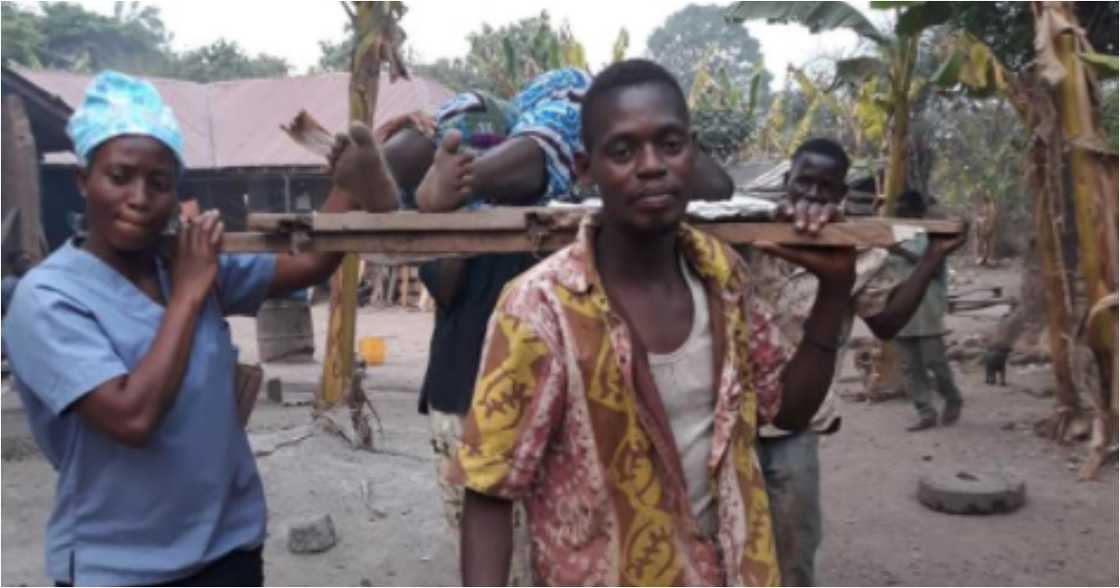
(378, 38)
(512, 55)
(1055, 99)
(620, 46)
(971, 67)
(1062, 49)
(722, 112)
(892, 67)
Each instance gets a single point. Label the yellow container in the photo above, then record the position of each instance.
(372, 350)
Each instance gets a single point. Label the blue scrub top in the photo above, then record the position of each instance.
(124, 515)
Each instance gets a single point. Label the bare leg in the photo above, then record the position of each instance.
(447, 183)
(409, 155)
(361, 172)
(512, 173)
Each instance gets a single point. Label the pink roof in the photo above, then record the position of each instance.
(237, 123)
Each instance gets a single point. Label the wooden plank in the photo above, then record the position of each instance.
(495, 219)
(469, 242)
(506, 219)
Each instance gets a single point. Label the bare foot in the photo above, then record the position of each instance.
(447, 185)
(359, 170)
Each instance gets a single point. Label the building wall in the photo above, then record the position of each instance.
(234, 193)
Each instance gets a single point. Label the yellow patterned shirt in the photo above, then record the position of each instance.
(566, 417)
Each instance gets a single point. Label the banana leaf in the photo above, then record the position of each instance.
(817, 16)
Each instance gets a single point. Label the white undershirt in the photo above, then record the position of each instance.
(686, 383)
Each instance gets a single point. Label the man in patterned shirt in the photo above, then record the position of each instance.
(884, 299)
(606, 401)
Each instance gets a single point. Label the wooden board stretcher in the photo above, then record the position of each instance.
(416, 235)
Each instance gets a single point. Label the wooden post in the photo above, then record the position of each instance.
(21, 186)
(374, 36)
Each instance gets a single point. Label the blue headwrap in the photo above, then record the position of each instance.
(116, 104)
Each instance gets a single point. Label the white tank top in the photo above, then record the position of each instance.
(686, 383)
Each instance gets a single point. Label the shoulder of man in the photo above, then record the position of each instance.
(715, 259)
(524, 295)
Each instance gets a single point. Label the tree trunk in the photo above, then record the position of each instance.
(1095, 204)
(896, 159)
(897, 148)
(375, 41)
(1057, 295)
(1035, 105)
(888, 368)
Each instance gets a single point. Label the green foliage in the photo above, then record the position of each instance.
(1106, 66)
(335, 55)
(621, 45)
(509, 56)
(22, 40)
(970, 67)
(698, 36)
(856, 69)
(816, 16)
(889, 4)
(1008, 27)
(723, 112)
(453, 73)
(721, 132)
(980, 146)
(1109, 107)
(500, 60)
(65, 35)
(921, 16)
(226, 60)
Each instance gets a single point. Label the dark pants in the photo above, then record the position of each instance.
(793, 484)
(238, 568)
(920, 357)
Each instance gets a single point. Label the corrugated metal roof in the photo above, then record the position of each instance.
(237, 123)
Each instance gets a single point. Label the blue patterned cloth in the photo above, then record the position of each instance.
(546, 111)
(116, 104)
(549, 114)
(483, 120)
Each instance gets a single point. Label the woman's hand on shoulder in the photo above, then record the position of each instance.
(196, 258)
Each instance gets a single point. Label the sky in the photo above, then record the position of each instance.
(292, 29)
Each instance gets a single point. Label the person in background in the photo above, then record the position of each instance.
(125, 366)
(921, 340)
(883, 300)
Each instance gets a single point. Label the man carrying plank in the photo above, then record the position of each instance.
(485, 151)
(624, 378)
(884, 300)
(921, 340)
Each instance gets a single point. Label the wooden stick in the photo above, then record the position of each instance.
(513, 219)
(397, 237)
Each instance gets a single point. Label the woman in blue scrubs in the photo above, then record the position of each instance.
(126, 367)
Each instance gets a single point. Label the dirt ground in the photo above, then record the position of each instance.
(391, 529)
